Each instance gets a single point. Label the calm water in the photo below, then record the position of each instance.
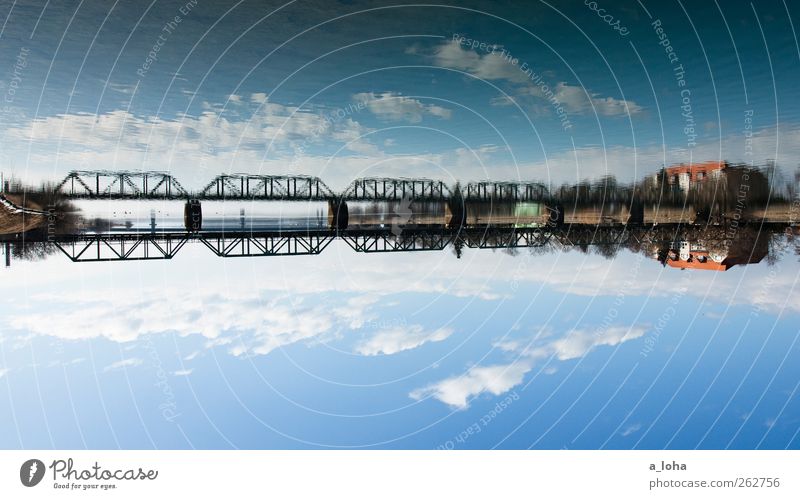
(610, 313)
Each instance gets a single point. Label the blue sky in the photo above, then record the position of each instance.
(249, 87)
(327, 351)
(403, 350)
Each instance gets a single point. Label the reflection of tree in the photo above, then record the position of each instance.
(62, 215)
(605, 190)
(737, 244)
(458, 247)
(714, 194)
(32, 251)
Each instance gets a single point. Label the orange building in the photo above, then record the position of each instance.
(687, 174)
(698, 260)
(693, 255)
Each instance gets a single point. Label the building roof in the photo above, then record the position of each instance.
(694, 168)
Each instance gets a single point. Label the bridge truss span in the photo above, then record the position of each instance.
(267, 187)
(100, 248)
(396, 189)
(121, 185)
(266, 245)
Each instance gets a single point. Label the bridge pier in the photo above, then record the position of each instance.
(193, 215)
(456, 214)
(338, 214)
(636, 215)
(456, 209)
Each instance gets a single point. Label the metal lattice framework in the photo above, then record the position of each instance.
(515, 238)
(101, 248)
(165, 245)
(121, 185)
(267, 187)
(395, 189)
(156, 185)
(387, 242)
(271, 245)
(505, 191)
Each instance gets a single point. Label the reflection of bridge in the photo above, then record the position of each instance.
(165, 245)
(161, 185)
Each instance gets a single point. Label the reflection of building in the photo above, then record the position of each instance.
(684, 175)
(701, 256)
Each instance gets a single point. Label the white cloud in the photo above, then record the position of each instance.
(122, 139)
(183, 372)
(578, 343)
(392, 106)
(397, 339)
(494, 66)
(457, 391)
(259, 325)
(502, 101)
(630, 430)
(579, 100)
(243, 323)
(3, 372)
(356, 312)
(183, 146)
(255, 319)
(488, 66)
(123, 364)
(192, 355)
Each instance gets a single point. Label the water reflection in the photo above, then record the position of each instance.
(701, 216)
(555, 286)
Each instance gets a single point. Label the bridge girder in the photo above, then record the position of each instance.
(267, 187)
(121, 185)
(279, 245)
(396, 189)
(504, 191)
(102, 249)
(512, 238)
(384, 243)
(159, 185)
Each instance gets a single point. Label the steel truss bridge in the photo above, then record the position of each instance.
(165, 245)
(266, 187)
(104, 184)
(121, 185)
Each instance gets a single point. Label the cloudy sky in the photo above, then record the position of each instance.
(353, 350)
(339, 90)
(567, 350)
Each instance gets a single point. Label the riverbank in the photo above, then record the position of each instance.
(16, 217)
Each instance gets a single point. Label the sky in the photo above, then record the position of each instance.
(347, 89)
(349, 350)
(407, 350)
